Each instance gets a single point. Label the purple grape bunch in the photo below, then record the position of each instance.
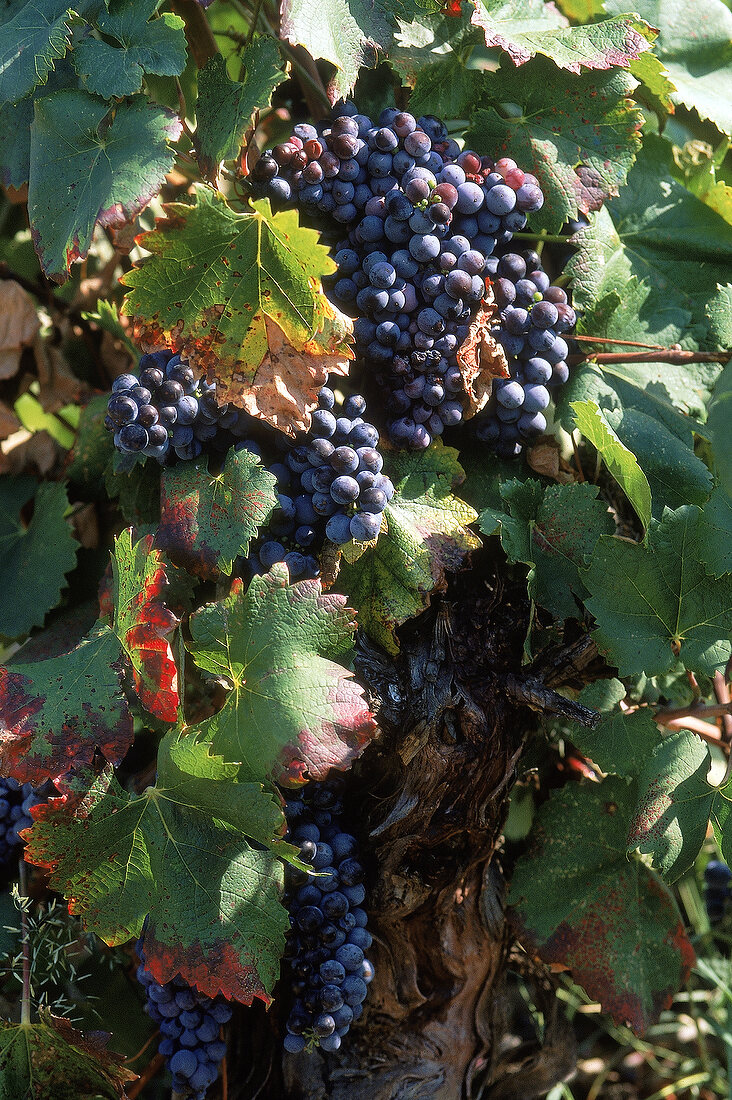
(170, 411)
(533, 318)
(331, 485)
(422, 217)
(190, 1024)
(326, 949)
(717, 889)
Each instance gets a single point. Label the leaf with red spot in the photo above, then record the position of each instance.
(554, 530)
(52, 1058)
(524, 28)
(54, 713)
(142, 623)
(206, 520)
(424, 536)
(240, 296)
(675, 804)
(578, 900)
(198, 852)
(91, 164)
(579, 135)
(292, 711)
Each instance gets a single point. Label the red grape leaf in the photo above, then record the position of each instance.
(198, 853)
(292, 709)
(240, 296)
(52, 1058)
(55, 712)
(142, 621)
(579, 901)
(206, 520)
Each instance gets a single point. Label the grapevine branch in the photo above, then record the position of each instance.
(676, 356)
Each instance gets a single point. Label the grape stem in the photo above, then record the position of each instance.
(199, 35)
(664, 355)
(622, 343)
(152, 1068)
(25, 1003)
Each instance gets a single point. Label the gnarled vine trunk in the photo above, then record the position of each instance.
(429, 801)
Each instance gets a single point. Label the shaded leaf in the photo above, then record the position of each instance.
(678, 249)
(656, 606)
(526, 27)
(240, 295)
(674, 804)
(206, 520)
(445, 87)
(93, 448)
(580, 902)
(30, 44)
(715, 532)
(695, 45)
(181, 852)
(52, 1058)
(294, 711)
(621, 743)
(348, 33)
(88, 168)
(578, 134)
(225, 106)
(157, 46)
(553, 529)
(142, 622)
(54, 713)
(34, 558)
(620, 461)
(720, 411)
(425, 537)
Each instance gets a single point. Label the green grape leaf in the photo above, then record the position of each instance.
(157, 46)
(620, 461)
(715, 533)
(674, 804)
(30, 44)
(553, 529)
(206, 520)
(655, 606)
(577, 900)
(720, 409)
(15, 123)
(52, 1058)
(695, 45)
(425, 537)
(182, 852)
(142, 623)
(293, 709)
(578, 134)
(348, 33)
(137, 491)
(93, 448)
(719, 312)
(91, 165)
(525, 28)
(240, 295)
(35, 556)
(621, 743)
(445, 87)
(677, 249)
(653, 74)
(54, 713)
(225, 106)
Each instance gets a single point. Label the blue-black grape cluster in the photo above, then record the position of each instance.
(717, 889)
(326, 948)
(15, 803)
(171, 411)
(533, 318)
(330, 485)
(190, 1024)
(423, 217)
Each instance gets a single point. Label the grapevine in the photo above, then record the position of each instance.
(365, 516)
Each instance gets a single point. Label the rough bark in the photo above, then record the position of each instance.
(429, 802)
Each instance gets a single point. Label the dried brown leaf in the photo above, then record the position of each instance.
(9, 422)
(18, 325)
(481, 358)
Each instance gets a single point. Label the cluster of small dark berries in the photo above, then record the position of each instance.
(717, 889)
(16, 800)
(190, 1024)
(325, 954)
